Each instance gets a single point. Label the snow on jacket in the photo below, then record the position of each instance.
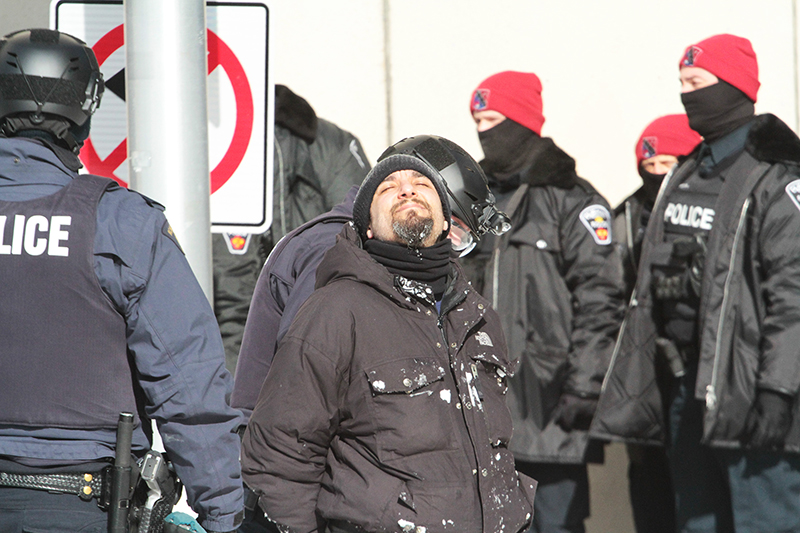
(379, 414)
(557, 287)
(749, 320)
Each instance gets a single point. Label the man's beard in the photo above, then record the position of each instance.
(413, 230)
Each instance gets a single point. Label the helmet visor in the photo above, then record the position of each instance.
(461, 237)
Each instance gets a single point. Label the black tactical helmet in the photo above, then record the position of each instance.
(471, 202)
(46, 75)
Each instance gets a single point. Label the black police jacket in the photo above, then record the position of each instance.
(749, 319)
(555, 280)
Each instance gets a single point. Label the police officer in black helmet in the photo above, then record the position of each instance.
(99, 314)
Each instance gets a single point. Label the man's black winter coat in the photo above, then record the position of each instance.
(382, 414)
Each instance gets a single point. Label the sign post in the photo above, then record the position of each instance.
(166, 134)
(240, 111)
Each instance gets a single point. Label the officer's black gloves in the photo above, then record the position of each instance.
(768, 421)
(574, 412)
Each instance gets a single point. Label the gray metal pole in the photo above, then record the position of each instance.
(166, 81)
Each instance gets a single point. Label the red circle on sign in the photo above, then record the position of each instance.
(219, 54)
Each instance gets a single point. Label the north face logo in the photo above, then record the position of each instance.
(793, 190)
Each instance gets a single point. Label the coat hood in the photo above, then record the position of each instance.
(348, 260)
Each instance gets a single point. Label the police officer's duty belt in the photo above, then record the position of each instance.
(85, 485)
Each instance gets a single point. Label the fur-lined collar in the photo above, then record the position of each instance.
(546, 164)
(551, 166)
(295, 114)
(771, 140)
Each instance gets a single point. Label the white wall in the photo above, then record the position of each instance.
(608, 67)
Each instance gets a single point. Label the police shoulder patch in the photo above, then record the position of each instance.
(237, 244)
(597, 220)
(169, 233)
(793, 190)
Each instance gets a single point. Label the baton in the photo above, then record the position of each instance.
(121, 477)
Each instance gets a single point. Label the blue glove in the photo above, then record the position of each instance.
(181, 523)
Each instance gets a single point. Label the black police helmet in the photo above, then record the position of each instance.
(46, 74)
(471, 202)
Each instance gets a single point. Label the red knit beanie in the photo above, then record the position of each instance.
(517, 95)
(667, 135)
(729, 58)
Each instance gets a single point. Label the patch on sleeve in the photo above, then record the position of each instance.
(597, 220)
(354, 150)
(793, 190)
(169, 233)
(237, 244)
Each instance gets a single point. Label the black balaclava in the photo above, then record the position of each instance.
(651, 183)
(717, 110)
(506, 150)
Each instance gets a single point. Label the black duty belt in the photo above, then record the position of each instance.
(86, 485)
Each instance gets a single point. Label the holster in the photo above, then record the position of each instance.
(157, 492)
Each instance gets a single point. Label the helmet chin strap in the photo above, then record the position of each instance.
(57, 127)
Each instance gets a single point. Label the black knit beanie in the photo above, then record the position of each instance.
(393, 163)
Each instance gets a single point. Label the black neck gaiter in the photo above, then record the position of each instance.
(429, 265)
(717, 110)
(506, 149)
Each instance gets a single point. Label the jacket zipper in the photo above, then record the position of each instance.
(629, 235)
(282, 185)
(633, 301)
(711, 389)
(441, 330)
(513, 206)
(495, 273)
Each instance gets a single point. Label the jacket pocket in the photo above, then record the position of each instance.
(537, 235)
(539, 382)
(412, 407)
